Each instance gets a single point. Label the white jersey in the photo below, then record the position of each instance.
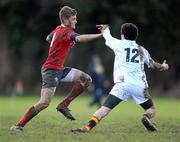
(128, 63)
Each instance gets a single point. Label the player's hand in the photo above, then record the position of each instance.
(102, 27)
(164, 66)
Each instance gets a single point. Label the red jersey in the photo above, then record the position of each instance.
(62, 40)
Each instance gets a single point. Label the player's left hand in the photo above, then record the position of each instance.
(164, 66)
(102, 27)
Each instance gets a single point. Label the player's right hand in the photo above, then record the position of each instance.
(102, 27)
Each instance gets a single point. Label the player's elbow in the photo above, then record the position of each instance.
(48, 39)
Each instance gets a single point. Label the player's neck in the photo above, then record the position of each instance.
(63, 25)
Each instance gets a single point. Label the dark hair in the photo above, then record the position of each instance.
(130, 31)
(66, 12)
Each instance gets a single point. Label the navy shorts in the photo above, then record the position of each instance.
(52, 77)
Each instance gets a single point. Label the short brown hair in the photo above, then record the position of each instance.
(66, 12)
(130, 31)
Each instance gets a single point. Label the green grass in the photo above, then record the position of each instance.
(122, 124)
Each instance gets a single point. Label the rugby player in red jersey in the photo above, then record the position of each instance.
(61, 40)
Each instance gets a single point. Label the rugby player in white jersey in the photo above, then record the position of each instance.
(129, 76)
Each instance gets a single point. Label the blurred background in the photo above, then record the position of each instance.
(24, 25)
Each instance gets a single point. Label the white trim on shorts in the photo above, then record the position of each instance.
(69, 77)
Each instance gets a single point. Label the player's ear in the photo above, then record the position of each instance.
(64, 21)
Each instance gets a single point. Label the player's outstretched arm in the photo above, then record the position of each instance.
(110, 41)
(162, 67)
(87, 37)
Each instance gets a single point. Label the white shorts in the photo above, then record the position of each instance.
(124, 91)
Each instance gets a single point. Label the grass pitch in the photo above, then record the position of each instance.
(122, 124)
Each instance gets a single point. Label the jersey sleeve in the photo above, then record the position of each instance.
(147, 59)
(110, 41)
(71, 35)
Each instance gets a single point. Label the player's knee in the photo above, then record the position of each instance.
(150, 112)
(102, 112)
(85, 80)
(88, 80)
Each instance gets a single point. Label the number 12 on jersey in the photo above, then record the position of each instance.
(135, 54)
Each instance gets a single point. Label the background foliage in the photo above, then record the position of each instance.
(24, 25)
